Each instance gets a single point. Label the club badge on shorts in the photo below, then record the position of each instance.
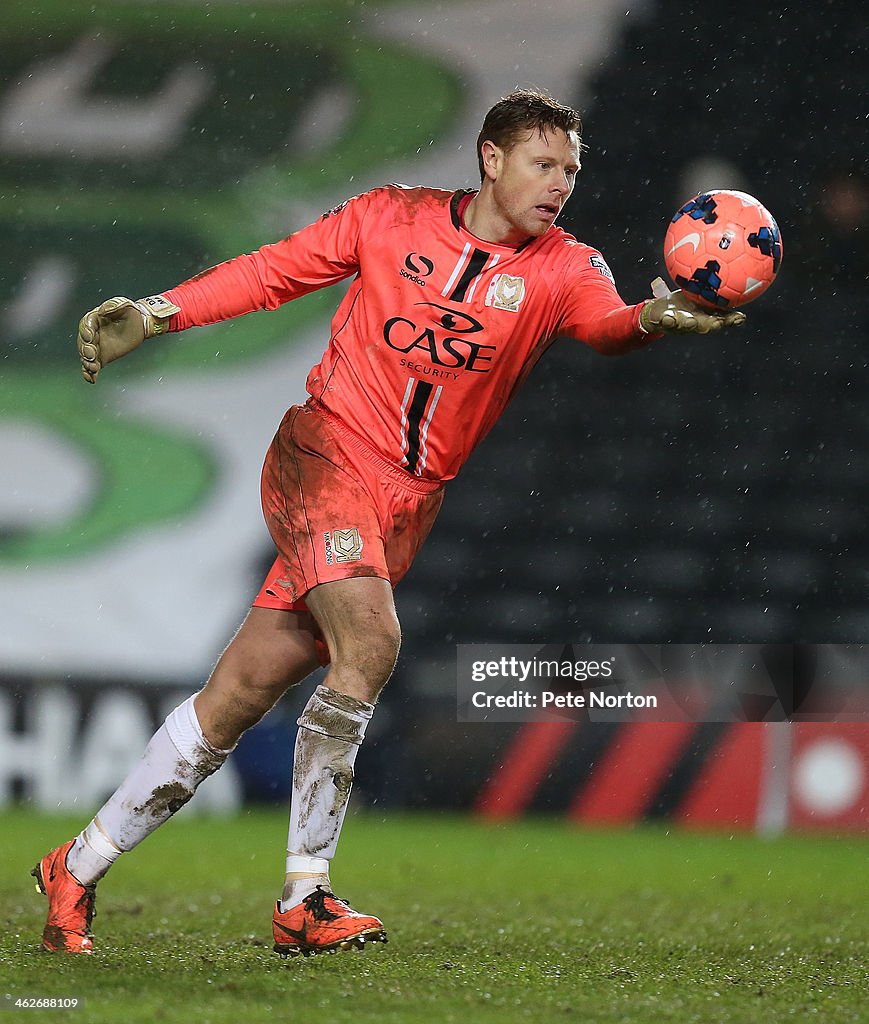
(342, 546)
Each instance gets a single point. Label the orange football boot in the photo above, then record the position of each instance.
(323, 923)
(70, 904)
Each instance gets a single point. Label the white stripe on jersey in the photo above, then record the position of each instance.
(423, 447)
(458, 269)
(404, 403)
(488, 266)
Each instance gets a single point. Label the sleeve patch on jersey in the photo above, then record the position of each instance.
(337, 209)
(599, 263)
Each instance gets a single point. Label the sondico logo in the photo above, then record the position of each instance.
(342, 545)
(419, 267)
(447, 343)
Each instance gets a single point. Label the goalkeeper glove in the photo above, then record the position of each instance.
(675, 313)
(118, 326)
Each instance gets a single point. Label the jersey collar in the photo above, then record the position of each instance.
(457, 205)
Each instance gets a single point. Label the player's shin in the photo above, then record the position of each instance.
(177, 759)
(331, 728)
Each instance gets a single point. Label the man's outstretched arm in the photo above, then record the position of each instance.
(318, 255)
(596, 314)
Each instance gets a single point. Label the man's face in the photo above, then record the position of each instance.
(532, 180)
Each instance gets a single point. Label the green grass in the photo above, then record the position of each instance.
(536, 921)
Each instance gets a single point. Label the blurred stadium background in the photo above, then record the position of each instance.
(700, 490)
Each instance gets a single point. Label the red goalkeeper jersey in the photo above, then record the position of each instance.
(438, 329)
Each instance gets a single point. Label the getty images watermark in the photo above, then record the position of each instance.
(663, 682)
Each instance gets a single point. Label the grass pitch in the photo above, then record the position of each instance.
(536, 921)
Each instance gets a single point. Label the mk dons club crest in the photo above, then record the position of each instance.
(506, 292)
(343, 546)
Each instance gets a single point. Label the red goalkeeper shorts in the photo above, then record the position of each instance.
(337, 509)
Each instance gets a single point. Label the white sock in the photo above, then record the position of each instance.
(92, 854)
(303, 875)
(175, 761)
(331, 728)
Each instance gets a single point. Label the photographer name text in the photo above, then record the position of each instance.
(549, 699)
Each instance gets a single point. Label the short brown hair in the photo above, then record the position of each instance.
(521, 111)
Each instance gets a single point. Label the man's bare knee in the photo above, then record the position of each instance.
(372, 654)
(358, 619)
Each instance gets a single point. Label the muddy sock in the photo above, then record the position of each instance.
(331, 728)
(92, 854)
(175, 761)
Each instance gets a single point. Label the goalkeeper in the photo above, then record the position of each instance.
(455, 296)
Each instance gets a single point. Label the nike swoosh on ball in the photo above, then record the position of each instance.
(694, 239)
